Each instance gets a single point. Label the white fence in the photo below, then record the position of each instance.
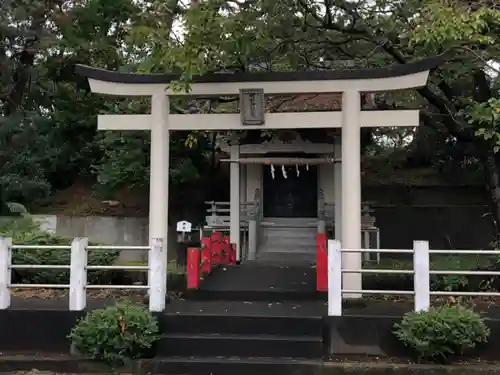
(157, 273)
(78, 267)
(421, 274)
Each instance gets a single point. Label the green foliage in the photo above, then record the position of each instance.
(486, 117)
(47, 122)
(24, 231)
(453, 22)
(442, 332)
(125, 161)
(21, 171)
(455, 263)
(471, 30)
(115, 334)
(48, 130)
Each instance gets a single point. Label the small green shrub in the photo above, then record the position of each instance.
(442, 332)
(115, 334)
(24, 231)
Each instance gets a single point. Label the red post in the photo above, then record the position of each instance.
(215, 244)
(226, 250)
(205, 241)
(321, 263)
(217, 236)
(232, 257)
(193, 268)
(206, 259)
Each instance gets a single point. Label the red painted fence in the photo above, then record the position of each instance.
(216, 249)
(321, 263)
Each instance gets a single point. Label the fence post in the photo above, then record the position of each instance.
(421, 275)
(252, 238)
(78, 274)
(334, 278)
(5, 272)
(158, 275)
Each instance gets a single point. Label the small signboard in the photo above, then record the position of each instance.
(252, 106)
(184, 226)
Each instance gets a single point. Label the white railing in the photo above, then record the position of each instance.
(78, 267)
(218, 214)
(421, 275)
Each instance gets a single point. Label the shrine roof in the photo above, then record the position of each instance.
(227, 77)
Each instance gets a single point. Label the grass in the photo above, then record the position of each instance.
(438, 262)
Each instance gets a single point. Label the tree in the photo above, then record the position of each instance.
(460, 104)
(48, 132)
(465, 93)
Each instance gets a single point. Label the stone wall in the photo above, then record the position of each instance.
(106, 230)
(449, 217)
(445, 227)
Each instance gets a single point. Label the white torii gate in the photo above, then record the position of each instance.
(350, 82)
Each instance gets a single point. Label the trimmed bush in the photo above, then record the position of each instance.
(442, 332)
(24, 231)
(115, 334)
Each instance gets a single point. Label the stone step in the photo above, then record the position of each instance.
(235, 365)
(234, 345)
(208, 322)
(289, 231)
(288, 237)
(287, 242)
(305, 225)
(284, 251)
(284, 242)
(288, 248)
(279, 231)
(219, 338)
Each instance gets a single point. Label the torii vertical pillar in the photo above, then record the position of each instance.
(337, 183)
(351, 190)
(158, 188)
(234, 200)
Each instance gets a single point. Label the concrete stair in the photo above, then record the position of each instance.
(288, 239)
(228, 343)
